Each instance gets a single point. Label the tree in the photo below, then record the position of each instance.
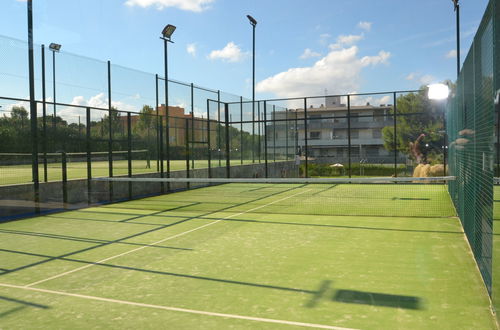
(417, 115)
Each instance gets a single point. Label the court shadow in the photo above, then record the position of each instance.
(23, 304)
(377, 299)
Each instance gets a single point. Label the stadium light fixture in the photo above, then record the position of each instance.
(438, 92)
(55, 47)
(168, 30)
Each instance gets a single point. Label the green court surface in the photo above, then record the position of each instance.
(18, 174)
(247, 256)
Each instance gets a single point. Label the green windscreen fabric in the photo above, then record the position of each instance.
(470, 128)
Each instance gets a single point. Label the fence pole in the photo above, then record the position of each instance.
(64, 163)
(286, 133)
(274, 133)
(259, 147)
(349, 135)
(110, 134)
(187, 150)
(158, 139)
(89, 157)
(305, 140)
(33, 111)
(265, 140)
(44, 118)
(228, 143)
(241, 129)
(209, 143)
(129, 152)
(395, 137)
(192, 123)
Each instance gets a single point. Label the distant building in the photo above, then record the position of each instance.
(327, 132)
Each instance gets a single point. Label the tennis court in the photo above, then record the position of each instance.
(239, 255)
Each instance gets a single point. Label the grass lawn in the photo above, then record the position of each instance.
(247, 257)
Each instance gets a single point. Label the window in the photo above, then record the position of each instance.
(376, 134)
(354, 117)
(315, 135)
(355, 134)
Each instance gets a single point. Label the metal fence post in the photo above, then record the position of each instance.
(306, 174)
(395, 137)
(209, 143)
(44, 118)
(64, 178)
(286, 133)
(241, 129)
(265, 140)
(192, 123)
(129, 152)
(228, 143)
(110, 134)
(274, 133)
(349, 135)
(89, 157)
(158, 138)
(186, 135)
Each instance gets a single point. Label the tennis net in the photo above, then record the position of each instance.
(384, 197)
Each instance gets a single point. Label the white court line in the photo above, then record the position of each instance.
(160, 241)
(177, 309)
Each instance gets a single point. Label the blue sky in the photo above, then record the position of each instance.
(303, 47)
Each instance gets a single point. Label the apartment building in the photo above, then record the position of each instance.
(327, 132)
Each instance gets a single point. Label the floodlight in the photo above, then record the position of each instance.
(455, 3)
(438, 92)
(252, 20)
(168, 31)
(55, 47)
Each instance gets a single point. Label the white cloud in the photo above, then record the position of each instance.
(347, 40)
(423, 79)
(367, 26)
(191, 49)
(230, 53)
(411, 76)
(101, 101)
(308, 53)
(188, 5)
(451, 54)
(339, 71)
(323, 38)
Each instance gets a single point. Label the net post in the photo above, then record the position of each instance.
(395, 135)
(129, 152)
(306, 165)
(241, 129)
(265, 140)
(44, 118)
(349, 169)
(228, 145)
(89, 158)
(187, 149)
(209, 141)
(110, 134)
(64, 178)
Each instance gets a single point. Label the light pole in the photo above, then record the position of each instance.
(166, 36)
(55, 48)
(457, 11)
(253, 22)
